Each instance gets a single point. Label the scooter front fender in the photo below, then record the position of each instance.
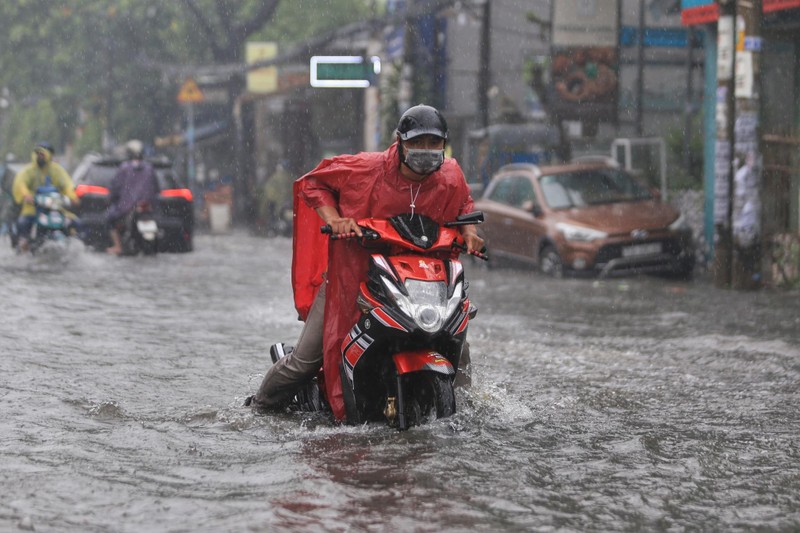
(417, 360)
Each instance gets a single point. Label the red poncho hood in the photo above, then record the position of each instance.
(359, 186)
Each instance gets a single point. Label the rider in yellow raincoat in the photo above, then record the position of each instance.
(36, 175)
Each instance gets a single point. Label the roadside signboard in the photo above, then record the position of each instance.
(262, 80)
(699, 12)
(190, 93)
(584, 63)
(344, 71)
(779, 5)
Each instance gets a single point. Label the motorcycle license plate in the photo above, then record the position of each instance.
(642, 249)
(147, 228)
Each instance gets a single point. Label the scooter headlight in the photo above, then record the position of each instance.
(427, 303)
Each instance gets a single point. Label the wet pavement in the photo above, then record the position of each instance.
(623, 404)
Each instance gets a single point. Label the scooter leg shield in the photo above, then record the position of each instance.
(351, 410)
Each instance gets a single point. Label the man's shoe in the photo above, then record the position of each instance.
(308, 398)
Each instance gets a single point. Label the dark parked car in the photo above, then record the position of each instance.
(583, 218)
(174, 209)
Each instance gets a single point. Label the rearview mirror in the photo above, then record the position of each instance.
(532, 207)
(476, 217)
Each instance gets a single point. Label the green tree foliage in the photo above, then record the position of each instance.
(30, 125)
(682, 177)
(300, 20)
(105, 65)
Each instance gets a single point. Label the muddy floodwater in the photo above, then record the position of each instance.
(616, 405)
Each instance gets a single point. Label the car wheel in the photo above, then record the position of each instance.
(550, 262)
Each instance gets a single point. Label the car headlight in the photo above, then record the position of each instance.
(680, 224)
(427, 303)
(579, 233)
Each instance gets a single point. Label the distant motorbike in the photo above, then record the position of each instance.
(282, 221)
(140, 231)
(51, 225)
(399, 360)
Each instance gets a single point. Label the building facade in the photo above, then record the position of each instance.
(752, 165)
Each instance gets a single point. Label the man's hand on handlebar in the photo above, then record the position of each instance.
(339, 225)
(343, 226)
(473, 242)
(471, 239)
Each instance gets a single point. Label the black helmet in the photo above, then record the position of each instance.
(421, 120)
(44, 145)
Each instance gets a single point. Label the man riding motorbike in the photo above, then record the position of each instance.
(40, 172)
(411, 176)
(135, 182)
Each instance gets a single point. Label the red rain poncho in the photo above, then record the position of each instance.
(358, 186)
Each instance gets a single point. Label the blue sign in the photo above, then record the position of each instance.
(689, 4)
(657, 37)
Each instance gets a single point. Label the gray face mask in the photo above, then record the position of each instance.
(424, 161)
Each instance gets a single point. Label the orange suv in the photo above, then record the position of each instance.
(583, 218)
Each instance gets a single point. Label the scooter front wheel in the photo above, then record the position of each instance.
(427, 396)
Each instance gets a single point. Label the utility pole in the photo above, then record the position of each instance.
(723, 175)
(640, 72)
(737, 206)
(190, 169)
(687, 128)
(108, 113)
(405, 92)
(746, 197)
(484, 69)
(372, 104)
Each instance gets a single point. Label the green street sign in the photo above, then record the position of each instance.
(344, 71)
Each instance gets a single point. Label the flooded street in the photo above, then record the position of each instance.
(624, 404)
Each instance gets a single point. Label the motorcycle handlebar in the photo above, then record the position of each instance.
(368, 234)
(480, 255)
(327, 230)
(371, 235)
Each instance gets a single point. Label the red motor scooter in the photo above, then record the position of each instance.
(399, 360)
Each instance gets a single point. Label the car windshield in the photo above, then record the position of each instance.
(591, 187)
(100, 175)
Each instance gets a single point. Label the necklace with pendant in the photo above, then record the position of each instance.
(413, 197)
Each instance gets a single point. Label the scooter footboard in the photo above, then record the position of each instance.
(416, 360)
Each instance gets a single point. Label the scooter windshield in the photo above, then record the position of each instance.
(420, 230)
